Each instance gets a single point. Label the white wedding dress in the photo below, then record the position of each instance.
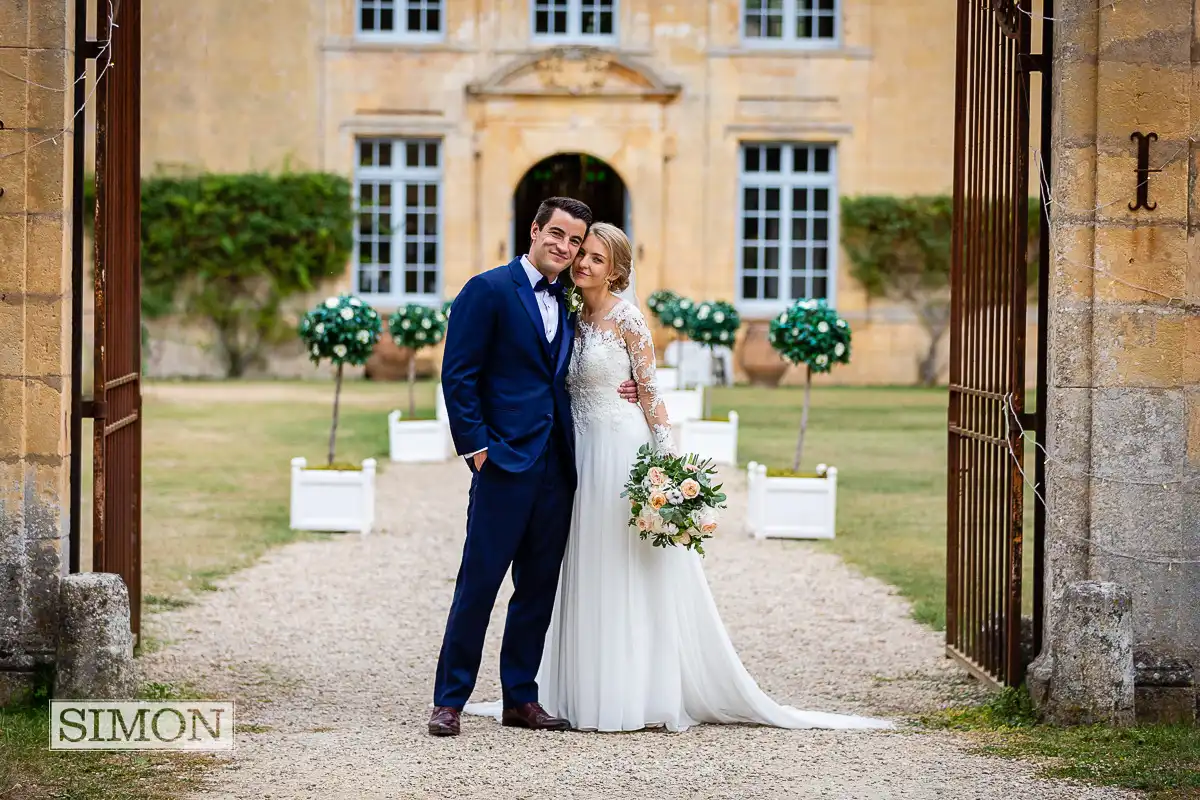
(635, 640)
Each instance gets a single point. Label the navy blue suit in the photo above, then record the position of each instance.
(505, 389)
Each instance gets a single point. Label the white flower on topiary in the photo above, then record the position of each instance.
(823, 327)
(320, 329)
(354, 301)
(405, 324)
(783, 318)
(841, 323)
(316, 350)
(420, 336)
(426, 324)
(678, 323)
(364, 337)
(347, 314)
(339, 350)
(704, 311)
(331, 302)
(718, 317)
(724, 337)
(822, 360)
(839, 349)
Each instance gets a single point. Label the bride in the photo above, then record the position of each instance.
(635, 640)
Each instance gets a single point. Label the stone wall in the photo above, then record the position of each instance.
(35, 390)
(1124, 400)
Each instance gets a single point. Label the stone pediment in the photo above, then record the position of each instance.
(575, 72)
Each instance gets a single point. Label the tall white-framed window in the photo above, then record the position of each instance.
(791, 22)
(405, 20)
(398, 235)
(787, 225)
(578, 20)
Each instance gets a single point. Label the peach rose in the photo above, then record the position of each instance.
(684, 538)
(657, 500)
(643, 524)
(657, 476)
(690, 488)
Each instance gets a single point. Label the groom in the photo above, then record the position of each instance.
(504, 378)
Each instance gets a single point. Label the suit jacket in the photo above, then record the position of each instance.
(505, 386)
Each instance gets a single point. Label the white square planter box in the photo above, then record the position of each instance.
(416, 441)
(666, 378)
(710, 439)
(337, 500)
(683, 404)
(791, 508)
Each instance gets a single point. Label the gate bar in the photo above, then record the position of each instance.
(79, 97)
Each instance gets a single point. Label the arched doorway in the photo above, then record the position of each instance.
(575, 175)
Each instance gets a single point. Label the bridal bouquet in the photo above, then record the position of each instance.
(672, 500)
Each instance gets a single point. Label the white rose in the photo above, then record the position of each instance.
(823, 327)
(822, 360)
(339, 350)
(354, 301)
(316, 351)
(719, 317)
(841, 323)
(724, 337)
(364, 337)
(426, 324)
(704, 312)
(331, 302)
(347, 314)
(783, 318)
(320, 329)
(420, 336)
(678, 323)
(808, 304)
(440, 317)
(405, 324)
(839, 349)
(671, 529)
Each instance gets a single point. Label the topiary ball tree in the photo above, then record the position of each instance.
(810, 333)
(344, 330)
(416, 326)
(673, 314)
(657, 300)
(713, 324)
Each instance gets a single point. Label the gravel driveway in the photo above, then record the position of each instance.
(329, 648)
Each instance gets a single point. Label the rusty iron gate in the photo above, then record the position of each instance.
(990, 283)
(116, 404)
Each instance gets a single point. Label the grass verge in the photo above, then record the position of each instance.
(1162, 760)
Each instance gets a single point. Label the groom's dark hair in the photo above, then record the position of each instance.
(576, 208)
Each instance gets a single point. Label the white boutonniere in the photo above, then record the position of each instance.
(574, 301)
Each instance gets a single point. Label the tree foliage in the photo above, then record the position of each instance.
(230, 250)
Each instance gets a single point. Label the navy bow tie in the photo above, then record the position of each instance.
(555, 289)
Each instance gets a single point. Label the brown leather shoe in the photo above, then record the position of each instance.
(444, 721)
(534, 717)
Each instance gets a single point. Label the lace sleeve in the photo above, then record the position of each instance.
(636, 335)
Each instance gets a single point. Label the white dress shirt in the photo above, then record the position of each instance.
(547, 304)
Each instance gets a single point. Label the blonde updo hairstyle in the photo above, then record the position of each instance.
(620, 254)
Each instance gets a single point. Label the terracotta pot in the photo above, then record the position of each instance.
(762, 363)
(390, 363)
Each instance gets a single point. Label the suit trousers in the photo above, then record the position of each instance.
(522, 520)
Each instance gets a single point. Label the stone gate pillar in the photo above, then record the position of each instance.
(35, 318)
(1123, 472)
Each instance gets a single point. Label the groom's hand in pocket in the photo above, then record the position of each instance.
(628, 391)
(479, 459)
